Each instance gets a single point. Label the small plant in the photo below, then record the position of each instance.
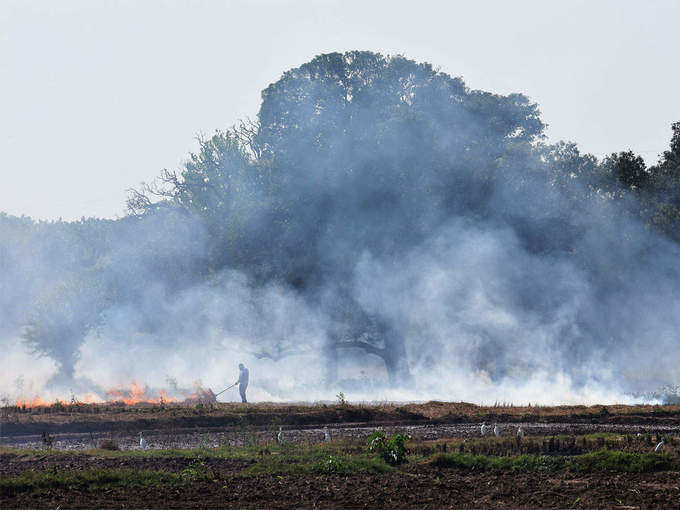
(393, 450)
(196, 471)
(604, 411)
(341, 399)
(332, 465)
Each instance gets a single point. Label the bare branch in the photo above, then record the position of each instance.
(359, 344)
(246, 133)
(279, 355)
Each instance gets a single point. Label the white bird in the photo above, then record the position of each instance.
(496, 430)
(279, 436)
(484, 427)
(142, 441)
(520, 433)
(659, 446)
(326, 434)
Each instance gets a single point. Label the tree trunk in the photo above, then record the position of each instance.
(393, 355)
(396, 362)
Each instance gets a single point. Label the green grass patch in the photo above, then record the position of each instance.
(485, 462)
(603, 460)
(607, 460)
(328, 464)
(88, 479)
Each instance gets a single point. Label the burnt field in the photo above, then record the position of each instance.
(84, 418)
(84, 426)
(231, 455)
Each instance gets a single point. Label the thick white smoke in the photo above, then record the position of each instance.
(416, 208)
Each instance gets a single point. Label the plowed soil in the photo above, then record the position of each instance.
(420, 486)
(416, 485)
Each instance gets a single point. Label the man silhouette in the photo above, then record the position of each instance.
(242, 381)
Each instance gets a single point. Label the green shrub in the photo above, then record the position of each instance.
(85, 479)
(607, 460)
(332, 465)
(341, 399)
(196, 471)
(393, 450)
(603, 460)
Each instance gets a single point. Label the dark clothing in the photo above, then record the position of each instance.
(243, 383)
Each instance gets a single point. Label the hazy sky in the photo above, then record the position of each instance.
(97, 96)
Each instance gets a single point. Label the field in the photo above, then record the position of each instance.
(228, 455)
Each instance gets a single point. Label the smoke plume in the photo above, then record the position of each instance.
(381, 230)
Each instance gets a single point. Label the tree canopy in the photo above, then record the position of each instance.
(361, 165)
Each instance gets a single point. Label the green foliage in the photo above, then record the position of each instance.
(333, 464)
(341, 399)
(520, 463)
(603, 460)
(196, 471)
(329, 464)
(628, 169)
(606, 460)
(392, 450)
(87, 479)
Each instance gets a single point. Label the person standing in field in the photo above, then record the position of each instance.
(242, 381)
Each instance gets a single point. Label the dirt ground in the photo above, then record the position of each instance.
(418, 486)
(414, 485)
(237, 436)
(86, 418)
(82, 426)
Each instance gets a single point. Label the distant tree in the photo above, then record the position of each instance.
(628, 169)
(661, 203)
(59, 321)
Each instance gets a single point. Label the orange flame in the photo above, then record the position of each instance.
(137, 395)
(35, 402)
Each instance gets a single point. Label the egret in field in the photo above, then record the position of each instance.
(326, 434)
(142, 441)
(520, 433)
(484, 427)
(279, 436)
(496, 430)
(659, 446)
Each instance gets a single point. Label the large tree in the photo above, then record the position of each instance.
(353, 154)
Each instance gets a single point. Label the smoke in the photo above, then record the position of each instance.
(402, 227)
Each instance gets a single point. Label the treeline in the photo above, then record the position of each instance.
(361, 172)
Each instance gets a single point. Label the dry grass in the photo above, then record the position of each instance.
(89, 417)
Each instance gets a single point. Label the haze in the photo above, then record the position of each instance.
(99, 96)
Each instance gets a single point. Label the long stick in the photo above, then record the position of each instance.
(225, 389)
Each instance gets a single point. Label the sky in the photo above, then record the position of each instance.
(99, 96)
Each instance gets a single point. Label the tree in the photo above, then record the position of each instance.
(661, 202)
(352, 153)
(60, 320)
(628, 169)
